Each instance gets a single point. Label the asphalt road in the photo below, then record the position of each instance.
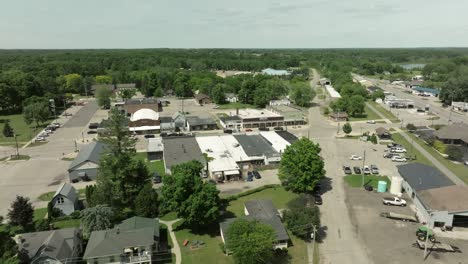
(82, 117)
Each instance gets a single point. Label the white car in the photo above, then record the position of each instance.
(371, 122)
(355, 157)
(398, 159)
(466, 162)
(366, 170)
(398, 150)
(40, 139)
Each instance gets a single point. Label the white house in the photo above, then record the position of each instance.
(231, 98)
(65, 199)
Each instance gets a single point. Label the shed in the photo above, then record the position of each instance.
(202, 99)
(65, 199)
(155, 149)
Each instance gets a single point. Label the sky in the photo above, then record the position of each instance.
(82, 24)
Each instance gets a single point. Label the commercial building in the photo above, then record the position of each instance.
(197, 123)
(265, 212)
(258, 146)
(428, 91)
(254, 118)
(438, 201)
(383, 133)
(133, 105)
(231, 122)
(339, 116)
(332, 92)
(277, 142)
(273, 72)
(287, 136)
(179, 150)
(454, 134)
(144, 121)
(325, 81)
(393, 101)
(292, 116)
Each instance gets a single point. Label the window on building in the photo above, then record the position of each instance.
(60, 200)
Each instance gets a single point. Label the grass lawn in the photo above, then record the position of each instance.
(23, 131)
(235, 105)
(157, 165)
(169, 216)
(355, 180)
(46, 196)
(368, 115)
(35, 144)
(40, 213)
(20, 157)
(460, 170)
(67, 223)
(411, 151)
(389, 115)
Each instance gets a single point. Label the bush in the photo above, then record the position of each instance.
(41, 225)
(440, 146)
(410, 127)
(454, 153)
(249, 192)
(75, 215)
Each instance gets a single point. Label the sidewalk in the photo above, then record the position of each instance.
(176, 248)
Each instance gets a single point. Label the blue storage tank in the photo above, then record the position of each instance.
(382, 187)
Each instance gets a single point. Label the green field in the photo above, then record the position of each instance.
(67, 223)
(368, 115)
(23, 131)
(211, 252)
(39, 213)
(235, 105)
(355, 180)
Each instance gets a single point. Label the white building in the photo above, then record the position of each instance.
(332, 92)
(277, 142)
(231, 98)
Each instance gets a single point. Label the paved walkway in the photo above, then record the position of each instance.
(175, 245)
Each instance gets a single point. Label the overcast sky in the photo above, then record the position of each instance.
(69, 24)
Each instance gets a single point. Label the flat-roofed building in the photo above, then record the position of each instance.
(256, 145)
(292, 116)
(276, 141)
(222, 165)
(254, 118)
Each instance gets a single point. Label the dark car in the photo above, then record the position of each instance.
(357, 170)
(93, 126)
(278, 128)
(250, 176)
(149, 136)
(228, 131)
(92, 132)
(256, 175)
(264, 129)
(156, 178)
(317, 189)
(318, 199)
(347, 170)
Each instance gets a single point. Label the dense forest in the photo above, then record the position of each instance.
(54, 73)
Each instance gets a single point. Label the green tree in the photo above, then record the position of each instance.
(250, 241)
(96, 218)
(127, 94)
(36, 109)
(158, 92)
(147, 203)
(103, 96)
(356, 105)
(185, 193)
(7, 129)
(121, 175)
(347, 128)
(378, 94)
(218, 94)
(302, 220)
(8, 249)
(411, 127)
(262, 97)
(302, 95)
(73, 83)
(454, 153)
(21, 212)
(301, 166)
(103, 79)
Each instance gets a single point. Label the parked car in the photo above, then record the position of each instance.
(398, 159)
(250, 176)
(394, 201)
(150, 136)
(347, 170)
(368, 188)
(51, 127)
(248, 130)
(374, 169)
(216, 107)
(40, 139)
(371, 122)
(393, 145)
(278, 128)
(93, 126)
(318, 199)
(357, 170)
(256, 174)
(366, 170)
(355, 157)
(228, 131)
(466, 162)
(92, 132)
(390, 155)
(264, 129)
(156, 178)
(56, 125)
(398, 150)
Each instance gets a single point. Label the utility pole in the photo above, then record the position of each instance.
(363, 162)
(427, 238)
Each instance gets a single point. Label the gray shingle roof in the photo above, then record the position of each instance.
(422, 177)
(181, 149)
(135, 231)
(454, 131)
(200, 121)
(67, 190)
(91, 152)
(57, 244)
(256, 145)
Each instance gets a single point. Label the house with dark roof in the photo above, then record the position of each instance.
(85, 165)
(203, 99)
(65, 199)
(179, 150)
(438, 201)
(265, 212)
(197, 123)
(383, 133)
(135, 240)
(339, 116)
(454, 134)
(61, 246)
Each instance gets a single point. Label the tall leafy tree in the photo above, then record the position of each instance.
(147, 203)
(96, 218)
(356, 105)
(73, 82)
(7, 129)
(127, 94)
(103, 96)
(8, 249)
(158, 92)
(302, 216)
(250, 241)
(302, 94)
(347, 128)
(36, 109)
(218, 94)
(301, 166)
(21, 212)
(103, 79)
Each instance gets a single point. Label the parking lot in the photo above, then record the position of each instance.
(390, 241)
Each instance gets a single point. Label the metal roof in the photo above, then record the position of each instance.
(91, 152)
(422, 177)
(144, 113)
(277, 142)
(256, 145)
(450, 198)
(200, 121)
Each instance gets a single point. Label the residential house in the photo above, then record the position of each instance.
(85, 166)
(134, 241)
(454, 134)
(155, 149)
(383, 133)
(265, 212)
(339, 116)
(202, 99)
(196, 123)
(61, 246)
(413, 84)
(231, 98)
(65, 199)
(179, 120)
(179, 150)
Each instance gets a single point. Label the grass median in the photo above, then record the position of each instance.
(388, 115)
(355, 180)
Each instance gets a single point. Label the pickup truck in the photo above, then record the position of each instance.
(394, 201)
